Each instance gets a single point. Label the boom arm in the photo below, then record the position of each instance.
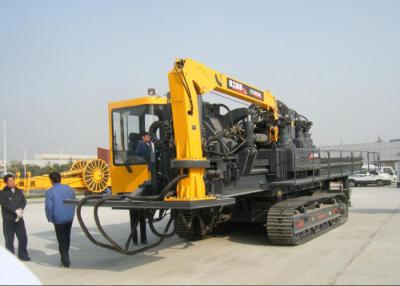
(188, 80)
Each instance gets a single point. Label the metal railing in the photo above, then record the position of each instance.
(330, 163)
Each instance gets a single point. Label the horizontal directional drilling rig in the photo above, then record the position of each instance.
(207, 164)
(90, 176)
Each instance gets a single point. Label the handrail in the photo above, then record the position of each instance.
(329, 164)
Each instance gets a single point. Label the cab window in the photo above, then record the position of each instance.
(127, 126)
(388, 170)
(373, 172)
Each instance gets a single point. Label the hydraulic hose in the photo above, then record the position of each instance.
(101, 199)
(99, 226)
(83, 226)
(115, 246)
(155, 232)
(228, 112)
(162, 194)
(225, 154)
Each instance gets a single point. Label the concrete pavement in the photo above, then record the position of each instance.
(366, 250)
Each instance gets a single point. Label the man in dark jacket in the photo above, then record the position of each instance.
(143, 149)
(60, 215)
(144, 146)
(13, 203)
(137, 217)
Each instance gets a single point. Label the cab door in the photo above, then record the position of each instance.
(129, 169)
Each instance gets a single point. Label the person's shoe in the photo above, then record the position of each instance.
(25, 258)
(145, 242)
(64, 265)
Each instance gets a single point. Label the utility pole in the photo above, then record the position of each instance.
(61, 155)
(24, 162)
(61, 145)
(5, 146)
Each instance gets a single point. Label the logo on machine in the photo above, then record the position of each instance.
(245, 89)
(313, 155)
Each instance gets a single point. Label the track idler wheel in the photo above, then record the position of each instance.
(190, 225)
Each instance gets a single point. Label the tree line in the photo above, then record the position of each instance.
(37, 170)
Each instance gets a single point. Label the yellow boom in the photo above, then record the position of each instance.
(188, 80)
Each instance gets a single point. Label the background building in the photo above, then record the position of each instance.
(50, 159)
(389, 151)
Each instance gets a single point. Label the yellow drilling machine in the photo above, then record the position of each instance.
(210, 164)
(91, 176)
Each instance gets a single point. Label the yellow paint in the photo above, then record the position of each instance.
(73, 178)
(43, 183)
(125, 182)
(122, 180)
(187, 80)
(273, 134)
(134, 102)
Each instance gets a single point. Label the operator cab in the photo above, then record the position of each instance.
(129, 120)
(129, 126)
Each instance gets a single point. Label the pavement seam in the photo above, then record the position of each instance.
(362, 248)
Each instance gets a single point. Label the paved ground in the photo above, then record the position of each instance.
(366, 250)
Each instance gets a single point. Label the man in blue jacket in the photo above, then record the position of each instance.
(60, 215)
(144, 146)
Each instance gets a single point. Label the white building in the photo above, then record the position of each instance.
(47, 158)
(389, 151)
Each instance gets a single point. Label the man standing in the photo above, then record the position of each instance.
(137, 217)
(144, 149)
(13, 203)
(60, 215)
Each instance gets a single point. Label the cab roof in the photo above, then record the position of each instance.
(138, 101)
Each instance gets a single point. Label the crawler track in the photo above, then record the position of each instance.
(296, 221)
(186, 226)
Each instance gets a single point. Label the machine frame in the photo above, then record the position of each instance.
(293, 179)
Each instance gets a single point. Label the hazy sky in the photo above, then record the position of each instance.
(61, 62)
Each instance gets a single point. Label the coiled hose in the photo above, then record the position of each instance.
(100, 200)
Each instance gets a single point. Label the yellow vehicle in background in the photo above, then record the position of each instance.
(92, 176)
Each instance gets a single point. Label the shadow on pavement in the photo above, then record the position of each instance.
(86, 255)
(246, 233)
